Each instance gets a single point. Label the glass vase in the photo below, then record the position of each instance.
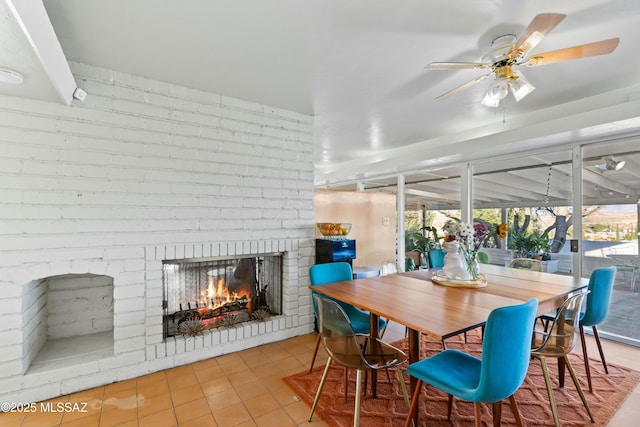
(471, 264)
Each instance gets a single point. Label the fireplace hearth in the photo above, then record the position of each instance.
(205, 294)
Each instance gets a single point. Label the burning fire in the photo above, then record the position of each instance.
(217, 295)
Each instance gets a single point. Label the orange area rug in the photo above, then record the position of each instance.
(388, 408)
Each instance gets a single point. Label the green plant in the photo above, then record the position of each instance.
(422, 242)
(529, 245)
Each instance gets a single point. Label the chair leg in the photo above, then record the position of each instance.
(356, 410)
(597, 337)
(449, 407)
(476, 415)
(315, 353)
(322, 380)
(403, 386)
(497, 413)
(552, 400)
(514, 409)
(346, 384)
(577, 384)
(585, 357)
(414, 405)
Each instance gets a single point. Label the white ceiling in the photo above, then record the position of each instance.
(358, 67)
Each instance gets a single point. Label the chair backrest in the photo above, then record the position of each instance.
(506, 348)
(483, 258)
(526, 264)
(389, 267)
(436, 258)
(336, 333)
(598, 300)
(321, 274)
(560, 338)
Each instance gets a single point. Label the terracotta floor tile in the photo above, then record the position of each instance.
(163, 418)
(186, 394)
(151, 389)
(119, 387)
(180, 378)
(232, 415)
(236, 366)
(11, 419)
(277, 418)
(42, 419)
(249, 391)
(154, 404)
(191, 410)
(208, 374)
(89, 421)
(203, 421)
(242, 377)
(260, 405)
(216, 386)
(115, 417)
(152, 378)
(222, 400)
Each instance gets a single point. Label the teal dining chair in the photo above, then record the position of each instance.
(506, 351)
(436, 258)
(597, 307)
(321, 274)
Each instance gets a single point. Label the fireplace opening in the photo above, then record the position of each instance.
(205, 294)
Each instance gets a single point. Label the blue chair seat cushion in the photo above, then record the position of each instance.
(451, 371)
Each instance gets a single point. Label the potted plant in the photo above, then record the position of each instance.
(422, 241)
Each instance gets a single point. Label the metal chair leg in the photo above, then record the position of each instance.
(356, 411)
(322, 380)
(552, 400)
(577, 384)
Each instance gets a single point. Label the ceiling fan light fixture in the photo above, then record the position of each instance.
(520, 86)
(496, 93)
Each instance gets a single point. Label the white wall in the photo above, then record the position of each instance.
(142, 167)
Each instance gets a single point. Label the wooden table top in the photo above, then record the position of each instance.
(413, 300)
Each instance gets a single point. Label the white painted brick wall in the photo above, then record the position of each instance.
(143, 165)
(79, 305)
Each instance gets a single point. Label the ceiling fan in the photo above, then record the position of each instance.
(508, 52)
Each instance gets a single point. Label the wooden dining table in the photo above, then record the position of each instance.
(413, 300)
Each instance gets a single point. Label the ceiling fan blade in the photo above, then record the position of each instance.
(602, 47)
(467, 85)
(541, 25)
(456, 66)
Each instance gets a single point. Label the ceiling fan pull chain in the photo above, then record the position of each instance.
(546, 196)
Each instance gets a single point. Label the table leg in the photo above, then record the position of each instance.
(373, 333)
(414, 356)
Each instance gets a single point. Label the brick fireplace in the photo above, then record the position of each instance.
(97, 197)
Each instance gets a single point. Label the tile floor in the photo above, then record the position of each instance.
(241, 389)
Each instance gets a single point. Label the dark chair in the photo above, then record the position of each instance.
(596, 310)
(351, 350)
(321, 274)
(505, 359)
(557, 342)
